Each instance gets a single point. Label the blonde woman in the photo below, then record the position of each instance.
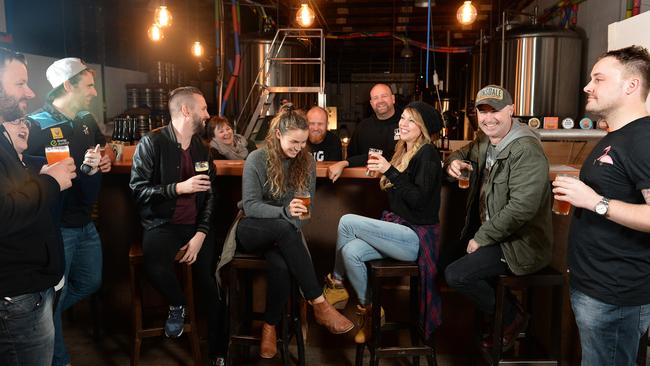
(271, 226)
(410, 227)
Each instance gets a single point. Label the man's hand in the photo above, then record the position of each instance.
(197, 183)
(334, 171)
(105, 164)
(192, 248)
(454, 168)
(472, 246)
(63, 172)
(377, 163)
(575, 192)
(297, 208)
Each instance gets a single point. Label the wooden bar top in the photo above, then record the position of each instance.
(236, 168)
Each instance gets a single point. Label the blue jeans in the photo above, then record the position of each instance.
(362, 239)
(609, 334)
(26, 329)
(83, 276)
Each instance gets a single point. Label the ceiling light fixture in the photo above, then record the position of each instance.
(305, 16)
(197, 49)
(467, 13)
(163, 17)
(155, 33)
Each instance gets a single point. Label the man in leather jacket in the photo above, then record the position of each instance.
(173, 185)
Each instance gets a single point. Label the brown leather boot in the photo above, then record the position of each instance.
(268, 343)
(330, 318)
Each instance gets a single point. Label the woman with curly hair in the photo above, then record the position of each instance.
(271, 224)
(407, 231)
(224, 143)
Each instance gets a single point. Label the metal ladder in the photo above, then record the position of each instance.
(267, 92)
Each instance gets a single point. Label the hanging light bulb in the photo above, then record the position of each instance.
(155, 33)
(197, 49)
(467, 13)
(305, 16)
(163, 17)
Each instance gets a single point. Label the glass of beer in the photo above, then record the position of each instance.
(562, 207)
(463, 179)
(305, 197)
(54, 154)
(372, 152)
(201, 167)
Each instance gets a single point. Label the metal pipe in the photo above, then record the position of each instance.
(480, 59)
(503, 45)
(448, 67)
(571, 134)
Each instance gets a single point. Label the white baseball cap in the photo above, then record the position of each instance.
(63, 69)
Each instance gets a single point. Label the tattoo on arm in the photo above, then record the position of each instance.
(646, 195)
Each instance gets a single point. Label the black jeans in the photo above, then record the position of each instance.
(281, 244)
(474, 275)
(160, 246)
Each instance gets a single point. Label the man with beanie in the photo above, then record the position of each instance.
(508, 224)
(65, 121)
(31, 252)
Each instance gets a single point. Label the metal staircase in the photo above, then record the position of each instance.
(250, 125)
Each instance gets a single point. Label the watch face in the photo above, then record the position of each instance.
(601, 208)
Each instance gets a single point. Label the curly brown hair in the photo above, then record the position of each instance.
(402, 157)
(299, 167)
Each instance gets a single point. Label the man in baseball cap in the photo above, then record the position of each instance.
(508, 226)
(65, 120)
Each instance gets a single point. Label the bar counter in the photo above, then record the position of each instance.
(353, 192)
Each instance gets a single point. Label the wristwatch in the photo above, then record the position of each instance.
(602, 206)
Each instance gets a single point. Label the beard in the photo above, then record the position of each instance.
(10, 109)
(198, 123)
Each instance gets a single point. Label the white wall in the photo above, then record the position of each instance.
(116, 80)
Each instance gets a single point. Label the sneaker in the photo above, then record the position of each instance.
(365, 322)
(175, 321)
(335, 293)
(219, 361)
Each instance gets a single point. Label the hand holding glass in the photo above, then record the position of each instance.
(372, 152)
(465, 172)
(305, 197)
(562, 207)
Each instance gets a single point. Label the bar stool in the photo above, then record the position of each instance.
(379, 270)
(240, 271)
(546, 277)
(140, 332)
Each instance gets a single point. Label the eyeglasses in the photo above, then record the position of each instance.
(24, 121)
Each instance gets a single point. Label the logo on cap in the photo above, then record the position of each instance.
(490, 92)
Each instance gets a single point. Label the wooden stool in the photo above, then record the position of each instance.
(240, 271)
(389, 268)
(191, 328)
(546, 277)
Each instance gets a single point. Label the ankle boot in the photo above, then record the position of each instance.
(268, 343)
(328, 317)
(365, 322)
(335, 293)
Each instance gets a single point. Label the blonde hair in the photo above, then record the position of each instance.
(402, 156)
(299, 167)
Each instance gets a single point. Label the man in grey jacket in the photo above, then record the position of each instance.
(508, 224)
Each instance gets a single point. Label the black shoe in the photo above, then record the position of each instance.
(510, 332)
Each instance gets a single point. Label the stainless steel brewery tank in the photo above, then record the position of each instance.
(253, 51)
(542, 71)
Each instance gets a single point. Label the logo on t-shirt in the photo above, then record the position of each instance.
(605, 158)
(56, 133)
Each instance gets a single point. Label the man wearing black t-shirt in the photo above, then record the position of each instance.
(324, 145)
(609, 239)
(377, 131)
